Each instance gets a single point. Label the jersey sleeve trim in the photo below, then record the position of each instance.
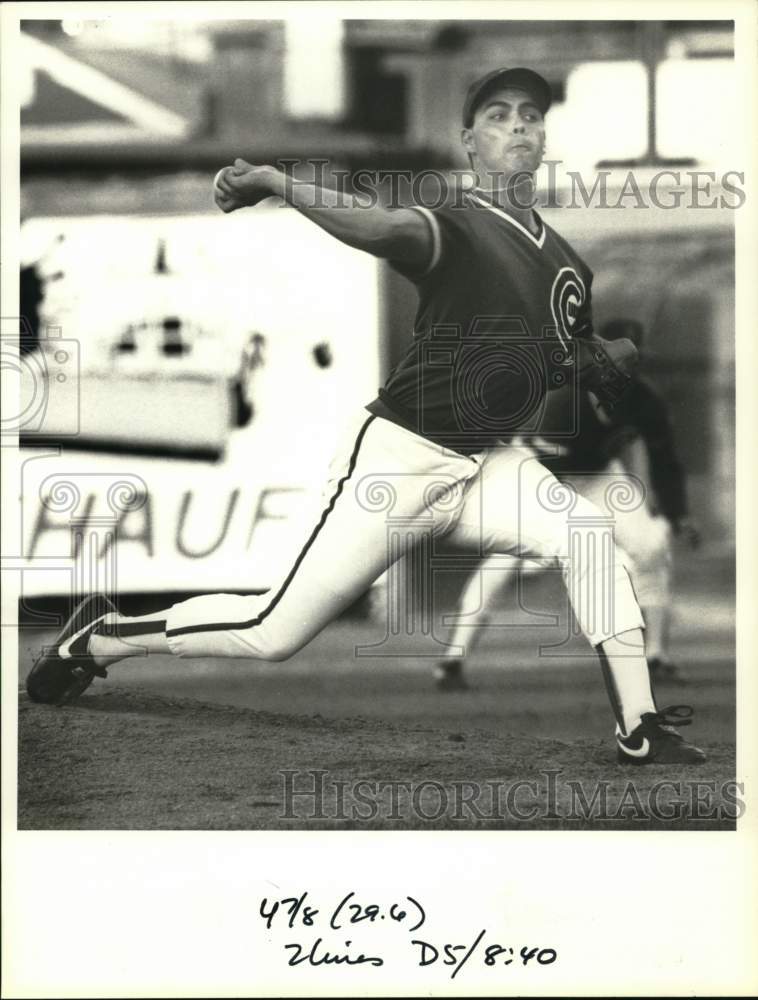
(434, 228)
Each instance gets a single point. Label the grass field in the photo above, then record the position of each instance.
(170, 744)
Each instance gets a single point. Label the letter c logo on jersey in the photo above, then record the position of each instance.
(567, 296)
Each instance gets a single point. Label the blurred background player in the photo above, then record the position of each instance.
(637, 440)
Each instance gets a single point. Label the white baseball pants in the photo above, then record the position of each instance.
(388, 485)
(645, 542)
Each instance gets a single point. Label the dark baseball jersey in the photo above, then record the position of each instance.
(497, 309)
(642, 413)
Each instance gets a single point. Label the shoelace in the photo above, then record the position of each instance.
(673, 715)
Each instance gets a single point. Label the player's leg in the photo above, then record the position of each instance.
(651, 550)
(383, 470)
(484, 590)
(199, 618)
(646, 539)
(518, 507)
(388, 476)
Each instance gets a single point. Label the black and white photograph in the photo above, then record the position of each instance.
(372, 466)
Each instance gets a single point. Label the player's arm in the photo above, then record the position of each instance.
(395, 234)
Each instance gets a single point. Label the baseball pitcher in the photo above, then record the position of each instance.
(504, 317)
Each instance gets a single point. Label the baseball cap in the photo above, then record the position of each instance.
(524, 79)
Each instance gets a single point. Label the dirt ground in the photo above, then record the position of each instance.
(331, 741)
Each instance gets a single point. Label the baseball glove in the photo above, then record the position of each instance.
(605, 367)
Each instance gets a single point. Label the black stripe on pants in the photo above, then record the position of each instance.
(236, 626)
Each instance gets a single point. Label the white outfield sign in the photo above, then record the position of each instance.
(125, 524)
(173, 523)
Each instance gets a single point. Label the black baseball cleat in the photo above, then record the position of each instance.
(656, 741)
(665, 670)
(448, 676)
(62, 671)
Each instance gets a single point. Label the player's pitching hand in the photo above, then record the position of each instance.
(223, 196)
(243, 185)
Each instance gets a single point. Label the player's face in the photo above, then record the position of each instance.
(508, 133)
